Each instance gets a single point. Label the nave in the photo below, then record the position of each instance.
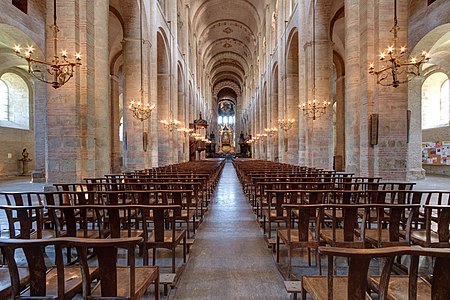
(230, 259)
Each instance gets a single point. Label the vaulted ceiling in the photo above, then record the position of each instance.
(227, 37)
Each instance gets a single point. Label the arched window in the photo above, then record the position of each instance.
(4, 101)
(435, 101)
(14, 102)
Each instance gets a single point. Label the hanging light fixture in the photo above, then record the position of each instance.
(171, 124)
(314, 109)
(271, 131)
(395, 65)
(140, 111)
(286, 124)
(60, 69)
(185, 130)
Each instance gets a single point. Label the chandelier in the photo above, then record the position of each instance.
(393, 58)
(171, 124)
(185, 130)
(271, 131)
(314, 109)
(140, 111)
(286, 124)
(60, 68)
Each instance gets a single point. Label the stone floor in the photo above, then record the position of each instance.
(230, 259)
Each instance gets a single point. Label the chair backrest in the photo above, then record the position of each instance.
(106, 251)
(159, 216)
(359, 262)
(76, 221)
(397, 218)
(438, 220)
(347, 218)
(23, 221)
(308, 218)
(35, 259)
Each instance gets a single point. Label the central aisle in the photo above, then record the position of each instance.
(229, 259)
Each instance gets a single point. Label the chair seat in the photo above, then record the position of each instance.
(372, 238)
(92, 234)
(327, 236)
(283, 234)
(179, 235)
(398, 287)
(5, 281)
(132, 233)
(184, 214)
(272, 214)
(317, 287)
(46, 234)
(144, 277)
(419, 237)
(72, 278)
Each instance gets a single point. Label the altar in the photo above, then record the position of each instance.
(226, 140)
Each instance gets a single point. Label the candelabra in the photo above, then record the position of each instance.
(170, 124)
(395, 65)
(185, 130)
(286, 124)
(271, 131)
(314, 109)
(140, 111)
(60, 68)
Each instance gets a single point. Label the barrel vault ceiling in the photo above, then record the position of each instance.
(227, 38)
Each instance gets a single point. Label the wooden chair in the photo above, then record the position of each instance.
(345, 222)
(5, 281)
(305, 235)
(116, 281)
(353, 286)
(45, 282)
(77, 221)
(273, 210)
(26, 222)
(160, 236)
(392, 226)
(436, 232)
(414, 286)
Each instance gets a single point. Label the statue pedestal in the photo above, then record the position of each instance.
(24, 164)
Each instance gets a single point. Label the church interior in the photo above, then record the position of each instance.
(288, 120)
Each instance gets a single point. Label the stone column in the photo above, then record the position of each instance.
(103, 155)
(115, 120)
(415, 170)
(133, 151)
(40, 124)
(71, 109)
(292, 134)
(321, 129)
(352, 85)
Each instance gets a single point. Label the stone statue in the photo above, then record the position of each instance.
(25, 159)
(25, 155)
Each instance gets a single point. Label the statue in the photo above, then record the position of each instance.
(25, 159)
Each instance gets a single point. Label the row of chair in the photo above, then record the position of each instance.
(92, 212)
(360, 218)
(107, 276)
